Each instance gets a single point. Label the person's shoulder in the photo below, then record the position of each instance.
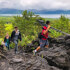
(49, 26)
(9, 37)
(5, 37)
(13, 31)
(44, 27)
(19, 31)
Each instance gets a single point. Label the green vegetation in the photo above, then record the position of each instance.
(29, 27)
(62, 24)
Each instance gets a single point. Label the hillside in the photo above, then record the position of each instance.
(10, 11)
(16, 11)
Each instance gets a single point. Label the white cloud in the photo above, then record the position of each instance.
(36, 4)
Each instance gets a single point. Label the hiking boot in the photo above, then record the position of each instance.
(34, 53)
(16, 52)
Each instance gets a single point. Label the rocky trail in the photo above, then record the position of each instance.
(56, 57)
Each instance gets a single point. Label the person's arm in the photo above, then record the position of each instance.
(10, 39)
(46, 29)
(20, 36)
(12, 34)
(4, 39)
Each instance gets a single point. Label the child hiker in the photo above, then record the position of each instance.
(7, 40)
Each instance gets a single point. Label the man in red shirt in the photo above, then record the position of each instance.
(44, 41)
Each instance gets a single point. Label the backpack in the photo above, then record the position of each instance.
(40, 36)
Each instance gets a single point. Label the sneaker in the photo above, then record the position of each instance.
(34, 53)
(45, 49)
(16, 52)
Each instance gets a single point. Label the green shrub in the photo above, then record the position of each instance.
(62, 24)
(1, 40)
(12, 45)
(29, 27)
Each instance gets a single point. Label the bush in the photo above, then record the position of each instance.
(1, 40)
(62, 24)
(29, 27)
(12, 45)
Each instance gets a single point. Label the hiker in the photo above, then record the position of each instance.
(7, 41)
(14, 37)
(43, 37)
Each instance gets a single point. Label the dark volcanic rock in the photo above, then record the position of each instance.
(1, 48)
(15, 60)
(25, 61)
(31, 46)
(67, 37)
(60, 40)
(68, 42)
(56, 57)
(58, 54)
(37, 63)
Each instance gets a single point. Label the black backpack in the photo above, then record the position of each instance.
(40, 36)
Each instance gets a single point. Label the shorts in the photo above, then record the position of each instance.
(43, 43)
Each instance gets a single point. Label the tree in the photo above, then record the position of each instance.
(26, 23)
(2, 29)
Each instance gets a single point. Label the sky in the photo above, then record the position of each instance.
(36, 4)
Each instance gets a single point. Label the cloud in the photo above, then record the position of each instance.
(36, 4)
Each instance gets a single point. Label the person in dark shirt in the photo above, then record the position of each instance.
(7, 40)
(14, 37)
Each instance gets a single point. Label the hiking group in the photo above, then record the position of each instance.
(15, 35)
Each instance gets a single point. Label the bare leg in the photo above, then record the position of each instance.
(46, 46)
(34, 52)
(38, 48)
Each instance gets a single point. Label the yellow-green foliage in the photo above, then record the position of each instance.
(9, 28)
(1, 40)
(26, 40)
(12, 45)
(3, 21)
(54, 33)
(29, 27)
(7, 19)
(62, 24)
(2, 29)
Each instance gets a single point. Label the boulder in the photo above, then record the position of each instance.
(61, 39)
(67, 37)
(1, 48)
(56, 56)
(68, 42)
(16, 60)
(37, 63)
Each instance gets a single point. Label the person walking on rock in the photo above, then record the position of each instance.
(44, 37)
(14, 37)
(7, 41)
